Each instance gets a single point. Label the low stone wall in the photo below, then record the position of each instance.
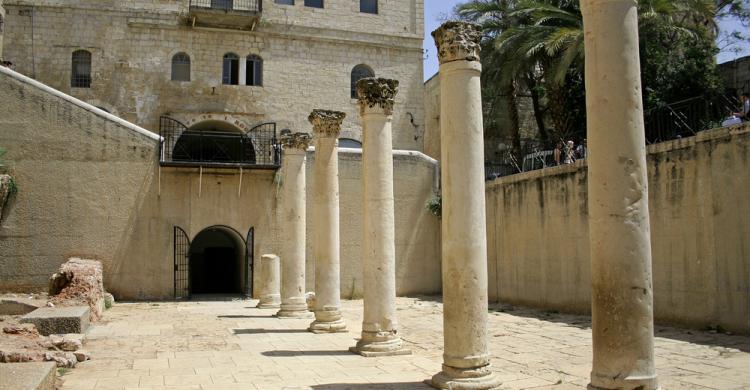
(538, 233)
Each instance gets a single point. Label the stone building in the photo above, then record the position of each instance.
(220, 81)
(222, 64)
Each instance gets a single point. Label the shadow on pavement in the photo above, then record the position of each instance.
(284, 353)
(266, 331)
(374, 386)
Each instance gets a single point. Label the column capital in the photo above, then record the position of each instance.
(299, 141)
(458, 41)
(326, 123)
(373, 91)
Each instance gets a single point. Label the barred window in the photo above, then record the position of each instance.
(254, 70)
(368, 6)
(360, 72)
(231, 69)
(314, 3)
(285, 2)
(81, 69)
(181, 67)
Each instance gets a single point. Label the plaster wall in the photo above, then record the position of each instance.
(538, 233)
(90, 185)
(308, 56)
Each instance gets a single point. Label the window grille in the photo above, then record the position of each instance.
(360, 72)
(229, 5)
(368, 6)
(81, 69)
(314, 3)
(181, 67)
(254, 71)
(231, 69)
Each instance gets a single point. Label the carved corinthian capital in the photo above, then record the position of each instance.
(299, 141)
(458, 41)
(380, 92)
(326, 123)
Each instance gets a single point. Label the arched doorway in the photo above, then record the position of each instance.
(218, 260)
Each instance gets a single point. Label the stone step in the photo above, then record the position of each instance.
(27, 376)
(59, 320)
(18, 306)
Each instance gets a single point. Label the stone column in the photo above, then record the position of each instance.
(622, 295)
(293, 217)
(2, 27)
(326, 129)
(379, 325)
(466, 358)
(270, 297)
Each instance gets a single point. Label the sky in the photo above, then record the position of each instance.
(438, 10)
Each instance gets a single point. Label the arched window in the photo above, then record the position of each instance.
(231, 69)
(360, 72)
(81, 69)
(181, 67)
(349, 143)
(254, 70)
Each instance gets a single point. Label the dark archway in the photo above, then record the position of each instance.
(214, 141)
(217, 262)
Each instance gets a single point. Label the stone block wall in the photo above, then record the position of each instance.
(538, 235)
(308, 55)
(90, 186)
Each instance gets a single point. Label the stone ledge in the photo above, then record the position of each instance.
(27, 376)
(59, 320)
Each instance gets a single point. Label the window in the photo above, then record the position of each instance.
(358, 73)
(314, 3)
(368, 6)
(181, 67)
(222, 4)
(285, 2)
(231, 69)
(254, 70)
(81, 69)
(349, 143)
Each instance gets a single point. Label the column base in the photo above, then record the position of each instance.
(452, 378)
(270, 302)
(627, 383)
(268, 306)
(294, 311)
(328, 321)
(375, 344)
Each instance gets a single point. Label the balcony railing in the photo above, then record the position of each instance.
(228, 5)
(687, 117)
(258, 148)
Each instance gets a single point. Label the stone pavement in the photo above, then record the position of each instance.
(231, 345)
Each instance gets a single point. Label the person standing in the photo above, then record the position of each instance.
(569, 153)
(558, 153)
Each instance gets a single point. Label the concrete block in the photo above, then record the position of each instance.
(27, 376)
(18, 306)
(58, 320)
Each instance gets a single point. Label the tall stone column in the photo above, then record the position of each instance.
(379, 324)
(293, 218)
(326, 129)
(622, 295)
(466, 358)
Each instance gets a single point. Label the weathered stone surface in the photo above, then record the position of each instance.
(458, 41)
(296, 141)
(270, 276)
(82, 355)
(80, 282)
(326, 123)
(27, 376)
(5, 180)
(56, 320)
(18, 306)
(379, 92)
(28, 330)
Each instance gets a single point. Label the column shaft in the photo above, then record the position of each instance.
(622, 294)
(270, 297)
(466, 358)
(326, 232)
(293, 214)
(379, 325)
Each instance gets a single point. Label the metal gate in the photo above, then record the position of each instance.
(181, 264)
(249, 244)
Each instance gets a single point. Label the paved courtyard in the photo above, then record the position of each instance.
(231, 345)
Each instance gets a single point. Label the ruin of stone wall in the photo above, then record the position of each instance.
(539, 243)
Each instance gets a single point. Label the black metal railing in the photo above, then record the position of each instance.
(687, 117)
(257, 148)
(229, 5)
